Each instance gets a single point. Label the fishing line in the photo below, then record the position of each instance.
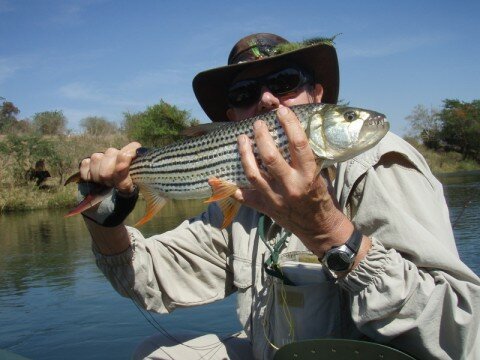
(154, 323)
(465, 205)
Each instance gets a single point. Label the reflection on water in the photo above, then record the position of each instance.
(462, 191)
(54, 301)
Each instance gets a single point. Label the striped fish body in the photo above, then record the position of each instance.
(210, 165)
(182, 170)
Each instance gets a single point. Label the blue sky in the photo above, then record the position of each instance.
(103, 58)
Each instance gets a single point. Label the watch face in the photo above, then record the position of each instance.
(337, 261)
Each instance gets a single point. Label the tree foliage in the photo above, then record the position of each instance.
(8, 116)
(98, 126)
(455, 127)
(425, 125)
(158, 125)
(461, 126)
(50, 122)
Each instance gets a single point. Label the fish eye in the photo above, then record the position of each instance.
(350, 116)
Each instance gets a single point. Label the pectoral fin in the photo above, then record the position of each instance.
(229, 208)
(222, 190)
(155, 203)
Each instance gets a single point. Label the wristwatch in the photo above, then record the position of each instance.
(341, 258)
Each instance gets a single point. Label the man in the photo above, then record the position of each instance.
(405, 285)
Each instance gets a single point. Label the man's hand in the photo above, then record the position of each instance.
(111, 168)
(294, 194)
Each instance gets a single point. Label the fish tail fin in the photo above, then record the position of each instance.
(89, 201)
(222, 192)
(74, 178)
(155, 203)
(96, 194)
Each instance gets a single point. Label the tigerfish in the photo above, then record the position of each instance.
(208, 164)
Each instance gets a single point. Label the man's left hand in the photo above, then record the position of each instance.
(294, 195)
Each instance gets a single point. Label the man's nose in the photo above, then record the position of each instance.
(268, 101)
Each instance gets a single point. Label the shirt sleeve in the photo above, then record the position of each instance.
(183, 267)
(411, 290)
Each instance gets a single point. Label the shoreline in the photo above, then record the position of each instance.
(18, 199)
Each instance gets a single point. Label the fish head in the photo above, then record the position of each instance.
(338, 133)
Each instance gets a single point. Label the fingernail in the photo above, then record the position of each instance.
(283, 110)
(257, 124)
(241, 139)
(141, 151)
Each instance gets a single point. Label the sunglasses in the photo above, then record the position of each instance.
(244, 93)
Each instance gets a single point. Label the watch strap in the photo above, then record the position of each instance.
(355, 241)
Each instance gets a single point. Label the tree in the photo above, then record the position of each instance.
(461, 126)
(425, 125)
(95, 125)
(8, 114)
(50, 122)
(158, 125)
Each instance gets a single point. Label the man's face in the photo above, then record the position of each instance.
(267, 99)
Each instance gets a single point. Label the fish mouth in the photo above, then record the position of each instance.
(376, 120)
(374, 128)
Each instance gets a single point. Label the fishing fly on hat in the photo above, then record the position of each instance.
(316, 55)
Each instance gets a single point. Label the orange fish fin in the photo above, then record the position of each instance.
(229, 208)
(88, 202)
(74, 178)
(155, 203)
(221, 189)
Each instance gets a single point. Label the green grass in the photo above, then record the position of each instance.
(30, 197)
(445, 162)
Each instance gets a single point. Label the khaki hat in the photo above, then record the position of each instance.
(316, 55)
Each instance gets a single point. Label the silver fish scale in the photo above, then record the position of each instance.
(181, 170)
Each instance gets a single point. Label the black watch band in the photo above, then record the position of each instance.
(341, 258)
(355, 241)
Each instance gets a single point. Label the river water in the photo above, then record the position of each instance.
(55, 304)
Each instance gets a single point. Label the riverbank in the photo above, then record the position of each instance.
(17, 196)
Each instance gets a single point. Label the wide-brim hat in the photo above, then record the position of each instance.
(316, 55)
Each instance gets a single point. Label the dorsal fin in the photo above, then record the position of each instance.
(202, 129)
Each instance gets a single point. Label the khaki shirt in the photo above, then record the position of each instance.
(411, 291)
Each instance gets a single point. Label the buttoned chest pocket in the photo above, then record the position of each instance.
(242, 272)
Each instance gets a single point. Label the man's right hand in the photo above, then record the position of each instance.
(111, 168)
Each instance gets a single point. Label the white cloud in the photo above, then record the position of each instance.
(71, 12)
(91, 93)
(145, 79)
(387, 47)
(7, 69)
(9, 66)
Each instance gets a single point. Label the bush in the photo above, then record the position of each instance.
(98, 126)
(158, 125)
(50, 122)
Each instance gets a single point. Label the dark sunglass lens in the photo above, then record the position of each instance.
(284, 81)
(244, 93)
